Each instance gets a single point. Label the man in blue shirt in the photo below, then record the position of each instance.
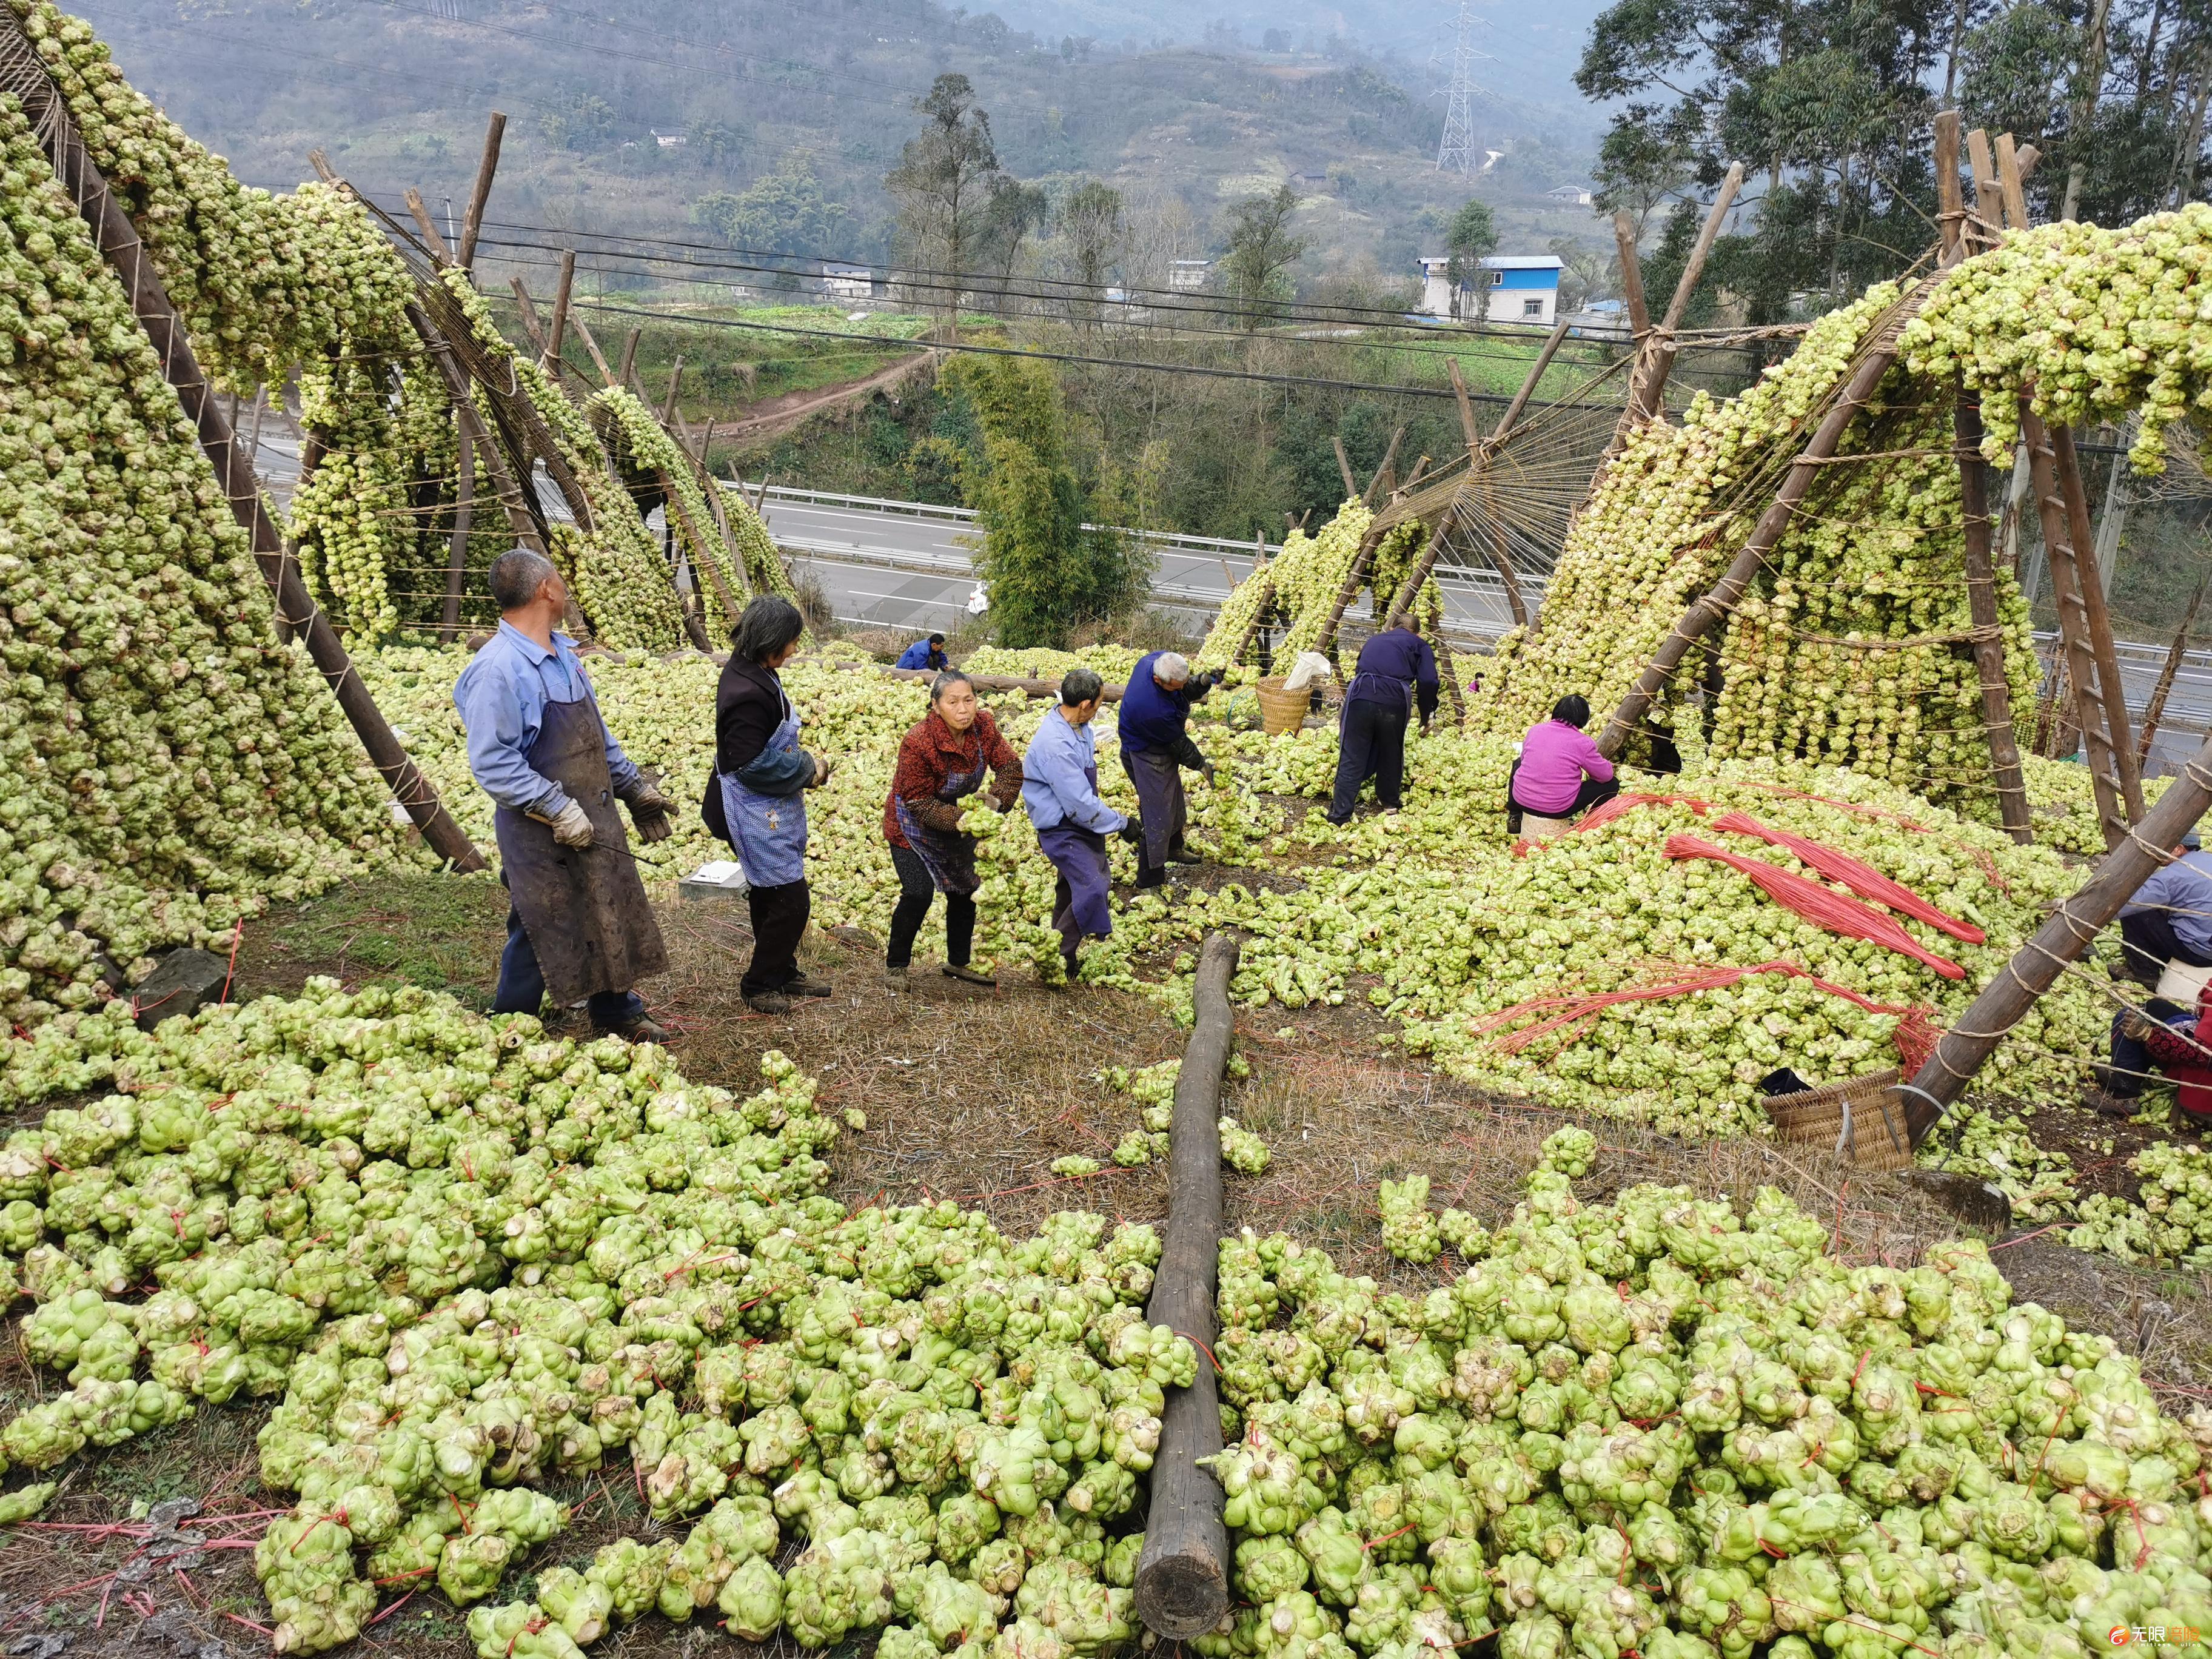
(1059, 792)
(1155, 748)
(927, 653)
(578, 927)
(1396, 671)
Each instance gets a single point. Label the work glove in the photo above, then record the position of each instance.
(823, 767)
(1205, 771)
(571, 828)
(1131, 831)
(1215, 676)
(648, 810)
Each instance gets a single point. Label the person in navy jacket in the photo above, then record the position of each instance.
(1397, 673)
(1155, 747)
(927, 653)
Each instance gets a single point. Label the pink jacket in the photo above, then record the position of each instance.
(1553, 758)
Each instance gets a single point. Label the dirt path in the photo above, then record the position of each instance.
(777, 415)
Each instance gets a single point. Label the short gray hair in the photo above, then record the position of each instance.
(945, 680)
(1171, 665)
(516, 576)
(1078, 686)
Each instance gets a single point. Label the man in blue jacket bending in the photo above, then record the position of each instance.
(927, 653)
(1155, 748)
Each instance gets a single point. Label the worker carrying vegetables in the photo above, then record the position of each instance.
(1396, 671)
(578, 926)
(941, 761)
(1155, 748)
(2166, 943)
(1059, 792)
(1559, 772)
(757, 799)
(927, 653)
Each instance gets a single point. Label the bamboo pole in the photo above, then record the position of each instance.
(2034, 969)
(1880, 353)
(2091, 691)
(592, 348)
(1467, 425)
(676, 511)
(2111, 688)
(1183, 1574)
(1390, 454)
(554, 338)
(668, 412)
(449, 621)
(1649, 388)
(629, 357)
(1506, 422)
(441, 255)
(1344, 467)
(1974, 510)
(1632, 278)
(2160, 692)
(481, 192)
(22, 73)
(530, 326)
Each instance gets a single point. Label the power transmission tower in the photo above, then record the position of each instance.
(1456, 153)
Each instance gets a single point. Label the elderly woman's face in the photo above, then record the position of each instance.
(956, 705)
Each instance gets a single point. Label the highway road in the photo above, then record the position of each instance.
(897, 564)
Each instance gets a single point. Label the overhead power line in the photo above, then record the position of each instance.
(1140, 365)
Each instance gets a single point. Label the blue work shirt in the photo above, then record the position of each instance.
(1056, 788)
(2184, 891)
(1151, 716)
(501, 696)
(921, 654)
(1399, 654)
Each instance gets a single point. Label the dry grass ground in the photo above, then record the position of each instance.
(970, 1095)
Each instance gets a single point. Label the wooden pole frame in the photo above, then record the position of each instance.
(449, 621)
(1875, 361)
(23, 73)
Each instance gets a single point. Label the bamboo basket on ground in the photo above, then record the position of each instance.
(1861, 1120)
(1282, 711)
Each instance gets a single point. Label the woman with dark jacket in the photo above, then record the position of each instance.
(940, 763)
(757, 799)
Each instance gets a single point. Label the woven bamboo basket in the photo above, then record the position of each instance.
(1282, 711)
(1862, 1120)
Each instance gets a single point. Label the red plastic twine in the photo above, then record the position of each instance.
(1819, 905)
(1915, 1035)
(1868, 883)
(1620, 805)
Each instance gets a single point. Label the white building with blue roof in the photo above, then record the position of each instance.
(1508, 288)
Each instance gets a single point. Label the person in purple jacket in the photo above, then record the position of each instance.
(1560, 773)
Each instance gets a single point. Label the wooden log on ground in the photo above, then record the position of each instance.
(481, 192)
(23, 74)
(1183, 1576)
(2060, 941)
(1881, 351)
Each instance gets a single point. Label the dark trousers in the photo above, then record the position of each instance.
(2132, 1064)
(522, 986)
(1370, 742)
(2148, 944)
(1588, 796)
(779, 922)
(916, 889)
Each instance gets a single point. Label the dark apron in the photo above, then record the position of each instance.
(1159, 800)
(949, 855)
(1079, 856)
(584, 909)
